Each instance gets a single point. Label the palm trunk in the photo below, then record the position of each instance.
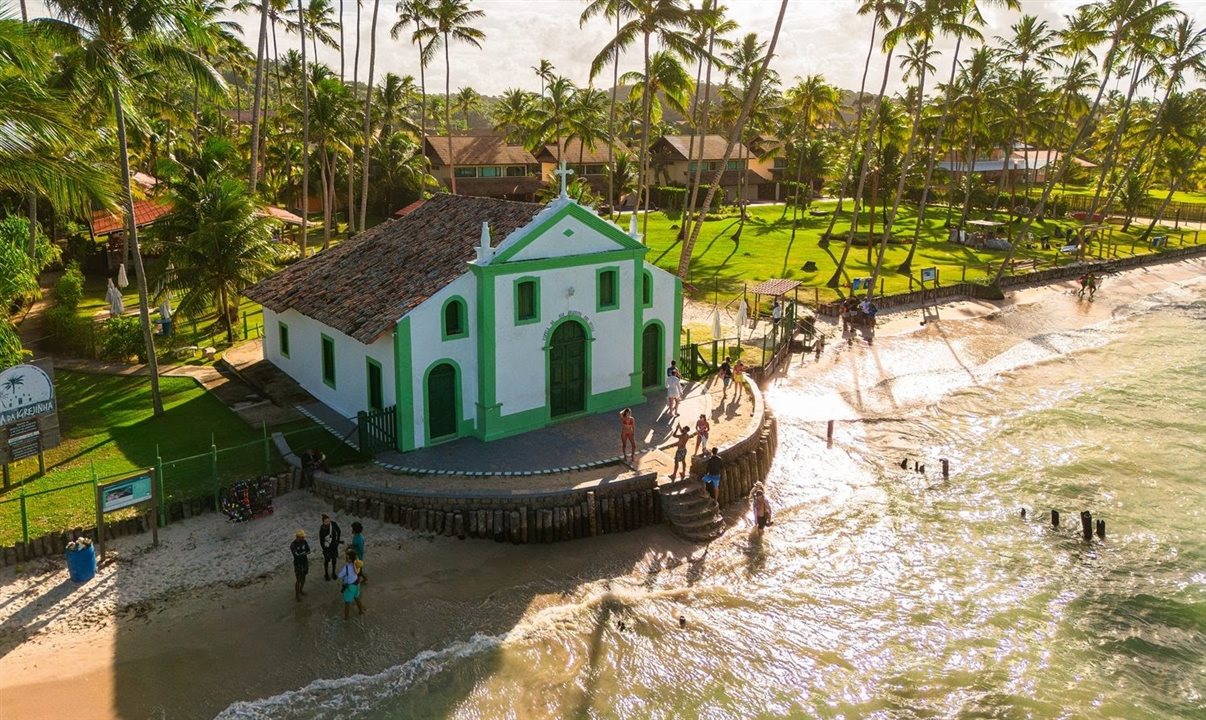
(693, 184)
(643, 173)
(144, 313)
(611, 128)
(351, 211)
(689, 199)
(368, 114)
(356, 56)
(1111, 156)
(422, 112)
(448, 115)
(747, 106)
(1176, 185)
(305, 89)
(260, 58)
(341, 43)
(1133, 165)
(835, 281)
(858, 128)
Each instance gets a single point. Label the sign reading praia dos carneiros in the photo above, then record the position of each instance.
(29, 420)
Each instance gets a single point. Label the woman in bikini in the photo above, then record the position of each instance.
(627, 434)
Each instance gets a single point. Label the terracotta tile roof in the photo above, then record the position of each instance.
(145, 212)
(730, 178)
(363, 286)
(281, 214)
(775, 287)
(499, 187)
(713, 147)
(477, 150)
(595, 156)
(403, 212)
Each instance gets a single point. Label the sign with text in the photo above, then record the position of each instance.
(929, 274)
(127, 492)
(29, 421)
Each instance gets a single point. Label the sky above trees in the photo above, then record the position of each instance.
(819, 36)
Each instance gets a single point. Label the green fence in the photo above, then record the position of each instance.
(203, 475)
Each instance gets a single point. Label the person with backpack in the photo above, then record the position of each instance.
(329, 539)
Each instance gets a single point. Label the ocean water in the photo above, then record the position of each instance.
(886, 593)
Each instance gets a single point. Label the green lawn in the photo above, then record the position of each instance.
(1181, 196)
(107, 427)
(724, 262)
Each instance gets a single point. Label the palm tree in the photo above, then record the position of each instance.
(587, 110)
(754, 90)
(1032, 41)
(553, 114)
(318, 19)
(668, 21)
(213, 245)
(1188, 136)
(466, 102)
(450, 21)
(261, 54)
(711, 25)
(305, 154)
(332, 117)
(667, 79)
(514, 115)
(544, 71)
(110, 44)
(366, 160)
(420, 13)
(619, 9)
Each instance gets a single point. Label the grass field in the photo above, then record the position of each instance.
(107, 427)
(729, 255)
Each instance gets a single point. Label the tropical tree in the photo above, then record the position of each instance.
(366, 145)
(418, 13)
(304, 88)
(212, 245)
(618, 9)
(588, 108)
(514, 115)
(544, 71)
(466, 102)
(109, 47)
(333, 125)
(710, 25)
(450, 20)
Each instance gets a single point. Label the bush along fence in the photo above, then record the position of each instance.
(187, 486)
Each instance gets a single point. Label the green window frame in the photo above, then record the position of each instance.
(646, 289)
(607, 288)
(527, 300)
(376, 394)
(489, 172)
(282, 338)
(328, 361)
(454, 319)
(465, 171)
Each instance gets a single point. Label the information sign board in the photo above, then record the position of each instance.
(929, 274)
(127, 492)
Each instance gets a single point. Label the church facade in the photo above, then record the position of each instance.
(475, 317)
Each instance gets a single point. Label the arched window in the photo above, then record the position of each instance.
(456, 324)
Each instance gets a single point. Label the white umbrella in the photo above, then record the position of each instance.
(743, 314)
(113, 297)
(122, 282)
(716, 324)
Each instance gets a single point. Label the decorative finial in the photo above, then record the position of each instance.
(485, 234)
(484, 252)
(632, 226)
(563, 171)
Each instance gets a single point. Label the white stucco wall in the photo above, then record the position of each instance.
(555, 243)
(428, 347)
(521, 382)
(663, 310)
(304, 364)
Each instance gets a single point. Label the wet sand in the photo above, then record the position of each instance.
(210, 618)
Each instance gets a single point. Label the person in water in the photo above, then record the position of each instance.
(627, 434)
(358, 540)
(351, 575)
(761, 507)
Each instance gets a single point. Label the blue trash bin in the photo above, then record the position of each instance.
(81, 564)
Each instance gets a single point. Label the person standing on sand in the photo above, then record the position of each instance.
(627, 434)
(351, 575)
(776, 313)
(820, 344)
(330, 537)
(674, 390)
(702, 428)
(680, 450)
(358, 540)
(300, 549)
(738, 380)
(726, 377)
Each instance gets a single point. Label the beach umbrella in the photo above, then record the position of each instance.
(122, 281)
(743, 314)
(716, 324)
(113, 297)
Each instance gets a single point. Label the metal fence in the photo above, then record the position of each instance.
(204, 475)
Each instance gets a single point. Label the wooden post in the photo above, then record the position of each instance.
(1101, 529)
(829, 436)
(946, 469)
(1055, 519)
(963, 278)
(1086, 524)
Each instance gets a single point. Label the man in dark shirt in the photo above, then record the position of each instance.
(329, 539)
(300, 549)
(712, 472)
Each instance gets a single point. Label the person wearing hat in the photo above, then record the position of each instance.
(762, 511)
(301, 562)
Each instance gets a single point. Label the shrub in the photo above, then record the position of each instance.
(69, 288)
(121, 339)
(69, 334)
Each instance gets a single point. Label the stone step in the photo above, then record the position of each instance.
(680, 486)
(691, 506)
(702, 533)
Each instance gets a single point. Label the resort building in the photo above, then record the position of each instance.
(744, 174)
(586, 162)
(1022, 161)
(475, 317)
(486, 166)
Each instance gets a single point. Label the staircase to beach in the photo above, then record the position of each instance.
(692, 512)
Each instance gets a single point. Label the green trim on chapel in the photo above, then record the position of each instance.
(404, 386)
(601, 281)
(677, 336)
(462, 317)
(282, 338)
(464, 426)
(580, 213)
(322, 360)
(535, 299)
(487, 404)
(369, 364)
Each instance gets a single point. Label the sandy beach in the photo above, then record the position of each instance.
(209, 618)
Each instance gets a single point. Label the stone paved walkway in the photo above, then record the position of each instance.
(583, 443)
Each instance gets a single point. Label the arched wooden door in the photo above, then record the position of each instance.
(651, 356)
(567, 369)
(441, 401)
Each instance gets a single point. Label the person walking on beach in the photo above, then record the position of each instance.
(738, 379)
(820, 344)
(726, 377)
(300, 549)
(627, 434)
(680, 451)
(674, 389)
(358, 540)
(351, 575)
(330, 537)
(712, 471)
(702, 428)
(761, 507)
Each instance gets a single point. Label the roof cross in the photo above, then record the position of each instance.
(563, 171)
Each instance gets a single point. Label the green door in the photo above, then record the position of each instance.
(651, 356)
(567, 369)
(441, 402)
